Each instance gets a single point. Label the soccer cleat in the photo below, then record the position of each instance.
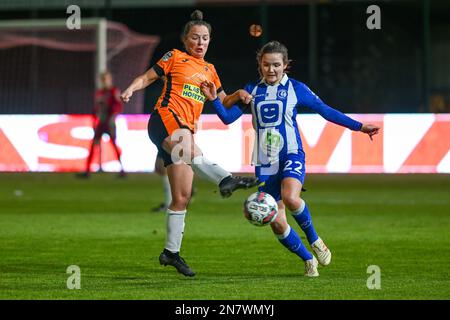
(174, 259)
(229, 184)
(311, 267)
(322, 252)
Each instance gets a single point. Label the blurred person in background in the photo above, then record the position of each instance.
(107, 106)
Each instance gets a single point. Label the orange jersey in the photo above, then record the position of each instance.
(183, 75)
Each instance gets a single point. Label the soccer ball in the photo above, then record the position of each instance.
(260, 209)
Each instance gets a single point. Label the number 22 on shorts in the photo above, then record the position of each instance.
(288, 166)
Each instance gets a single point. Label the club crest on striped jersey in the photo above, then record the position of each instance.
(282, 94)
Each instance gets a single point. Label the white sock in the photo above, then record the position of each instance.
(175, 229)
(285, 233)
(208, 170)
(167, 191)
(300, 210)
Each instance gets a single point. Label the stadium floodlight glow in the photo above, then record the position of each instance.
(99, 24)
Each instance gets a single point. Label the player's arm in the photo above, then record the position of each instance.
(312, 101)
(117, 102)
(227, 115)
(117, 96)
(239, 96)
(139, 83)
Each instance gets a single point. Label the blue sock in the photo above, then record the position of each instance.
(303, 218)
(293, 243)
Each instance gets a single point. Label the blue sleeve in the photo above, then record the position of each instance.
(249, 87)
(227, 115)
(309, 99)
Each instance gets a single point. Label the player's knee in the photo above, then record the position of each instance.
(291, 201)
(181, 200)
(279, 225)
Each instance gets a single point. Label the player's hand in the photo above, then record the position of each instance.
(209, 90)
(370, 129)
(126, 95)
(244, 96)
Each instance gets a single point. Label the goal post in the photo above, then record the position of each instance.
(58, 56)
(99, 25)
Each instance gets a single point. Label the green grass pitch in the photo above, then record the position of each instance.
(48, 222)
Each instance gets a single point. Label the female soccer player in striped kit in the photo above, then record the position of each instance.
(172, 125)
(279, 156)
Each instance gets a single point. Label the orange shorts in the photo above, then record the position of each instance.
(163, 122)
(170, 120)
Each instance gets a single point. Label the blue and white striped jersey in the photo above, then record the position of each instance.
(274, 110)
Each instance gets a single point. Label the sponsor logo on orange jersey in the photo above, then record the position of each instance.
(193, 92)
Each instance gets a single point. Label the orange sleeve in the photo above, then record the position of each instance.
(216, 80)
(165, 64)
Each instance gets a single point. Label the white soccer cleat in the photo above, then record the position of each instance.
(311, 267)
(322, 252)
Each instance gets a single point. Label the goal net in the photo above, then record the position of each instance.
(47, 68)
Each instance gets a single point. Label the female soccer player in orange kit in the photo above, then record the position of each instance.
(172, 127)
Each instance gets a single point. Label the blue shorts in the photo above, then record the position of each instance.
(292, 166)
